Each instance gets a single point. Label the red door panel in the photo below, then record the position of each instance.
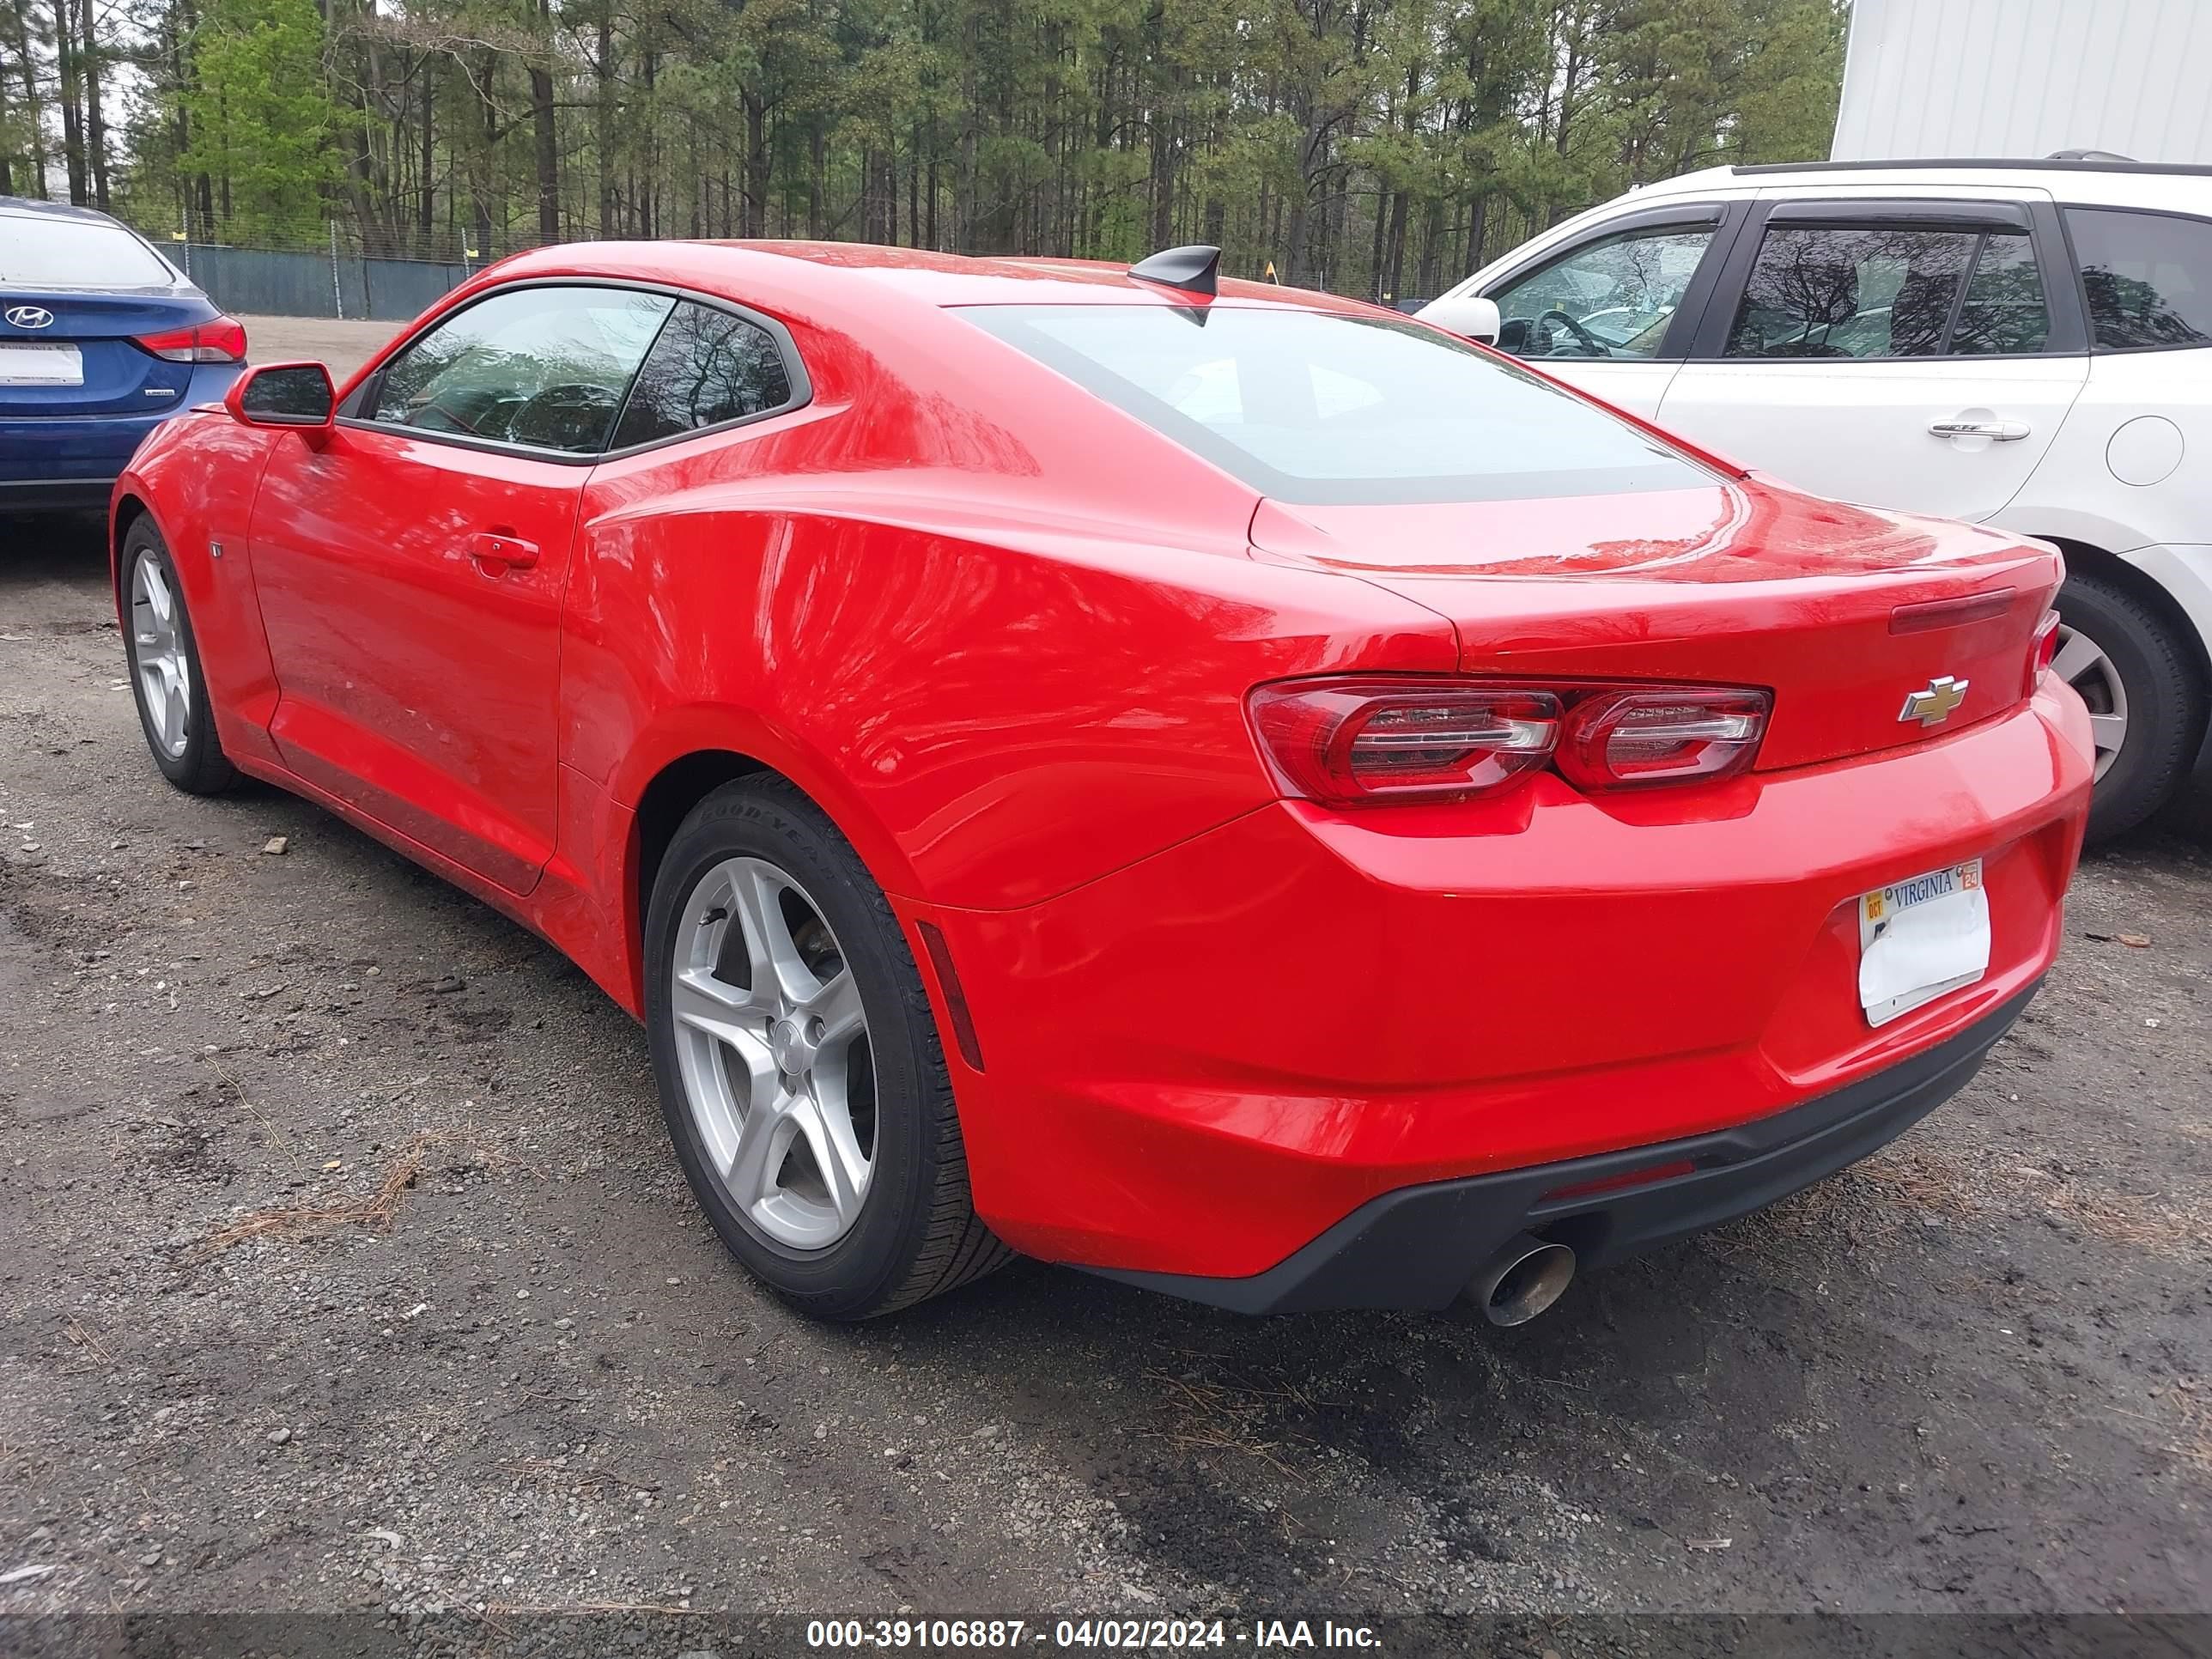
(411, 591)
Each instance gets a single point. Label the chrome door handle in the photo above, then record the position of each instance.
(2003, 432)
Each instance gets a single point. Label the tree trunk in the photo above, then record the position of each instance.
(1432, 245)
(1478, 221)
(648, 183)
(1377, 275)
(548, 153)
(95, 117)
(489, 114)
(930, 234)
(815, 161)
(72, 115)
(426, 207)
(31, 111)
(603, 121)
(1394, 253)
(757, 160)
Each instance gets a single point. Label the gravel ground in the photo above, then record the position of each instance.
(1972, 1375)
(345, 346)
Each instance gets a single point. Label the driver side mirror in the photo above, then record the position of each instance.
(283, 394)
(1467, 315)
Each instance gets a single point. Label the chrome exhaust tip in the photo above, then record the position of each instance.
(1527, 1276)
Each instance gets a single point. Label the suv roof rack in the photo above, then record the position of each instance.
(2047, 164)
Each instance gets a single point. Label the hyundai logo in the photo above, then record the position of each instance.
(30, 316)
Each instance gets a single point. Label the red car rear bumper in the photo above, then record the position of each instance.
(1420, 1247)
(1197, 1066)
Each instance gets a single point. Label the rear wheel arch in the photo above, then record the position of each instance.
(2158, 658)
(2085, 559)
(666, 800)
(128, 511)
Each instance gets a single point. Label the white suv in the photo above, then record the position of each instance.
(2027, 344)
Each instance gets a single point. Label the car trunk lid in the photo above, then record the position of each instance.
(1843, 612)
(82, 359)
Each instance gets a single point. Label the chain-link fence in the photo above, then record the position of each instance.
(321, 267)
(333, 268)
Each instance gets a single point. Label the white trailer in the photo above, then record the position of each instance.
(1989, 78)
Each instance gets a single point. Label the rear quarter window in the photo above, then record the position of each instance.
(1320, 407)
(708, 367)
(2146, 277)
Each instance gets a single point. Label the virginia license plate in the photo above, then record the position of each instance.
(1921, 939)
(41, 365)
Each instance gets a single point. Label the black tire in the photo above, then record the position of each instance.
(200, 767)
(2165, 701)
(916, 1235)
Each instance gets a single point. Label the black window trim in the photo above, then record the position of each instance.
(2069, 335)
(1726, 215)
(800, 385)
(1915, 212)
(2081, 282)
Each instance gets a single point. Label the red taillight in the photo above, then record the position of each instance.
(1667, 736)
(221, 341)
(2045, 651)
(1348, 741)
(1354, 741)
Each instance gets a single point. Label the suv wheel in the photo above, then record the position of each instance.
(2145, 706)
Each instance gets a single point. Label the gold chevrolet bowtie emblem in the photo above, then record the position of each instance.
(1935, 705)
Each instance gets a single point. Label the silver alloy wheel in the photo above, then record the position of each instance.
(157, 654)
(2082, 663)
(772, 1045)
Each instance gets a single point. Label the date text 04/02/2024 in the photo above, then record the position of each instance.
(926, 1634)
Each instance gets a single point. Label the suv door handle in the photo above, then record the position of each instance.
(496, 554)
(2003, 432)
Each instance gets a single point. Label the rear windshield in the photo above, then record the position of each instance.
(1321, 408)
(38, 251)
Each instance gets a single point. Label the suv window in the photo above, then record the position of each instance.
(1310, 406)
(707, 366)
(2148, 277)
(1610, 298)
(539, 367)
(1890, 291)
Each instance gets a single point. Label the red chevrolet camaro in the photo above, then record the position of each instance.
(1223, 786)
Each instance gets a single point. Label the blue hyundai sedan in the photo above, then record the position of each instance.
(101, 340)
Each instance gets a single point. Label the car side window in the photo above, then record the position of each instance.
(1610, 298)
(2148, 277)
(2003, 313)
(1890, 291)
(708, 366)
(539, 367)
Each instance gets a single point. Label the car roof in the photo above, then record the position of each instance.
(2007, 165)
(2122, 184)
(23, 207)
(943, 279)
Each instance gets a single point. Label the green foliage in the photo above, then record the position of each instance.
(260, 114)
(1373, 146)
